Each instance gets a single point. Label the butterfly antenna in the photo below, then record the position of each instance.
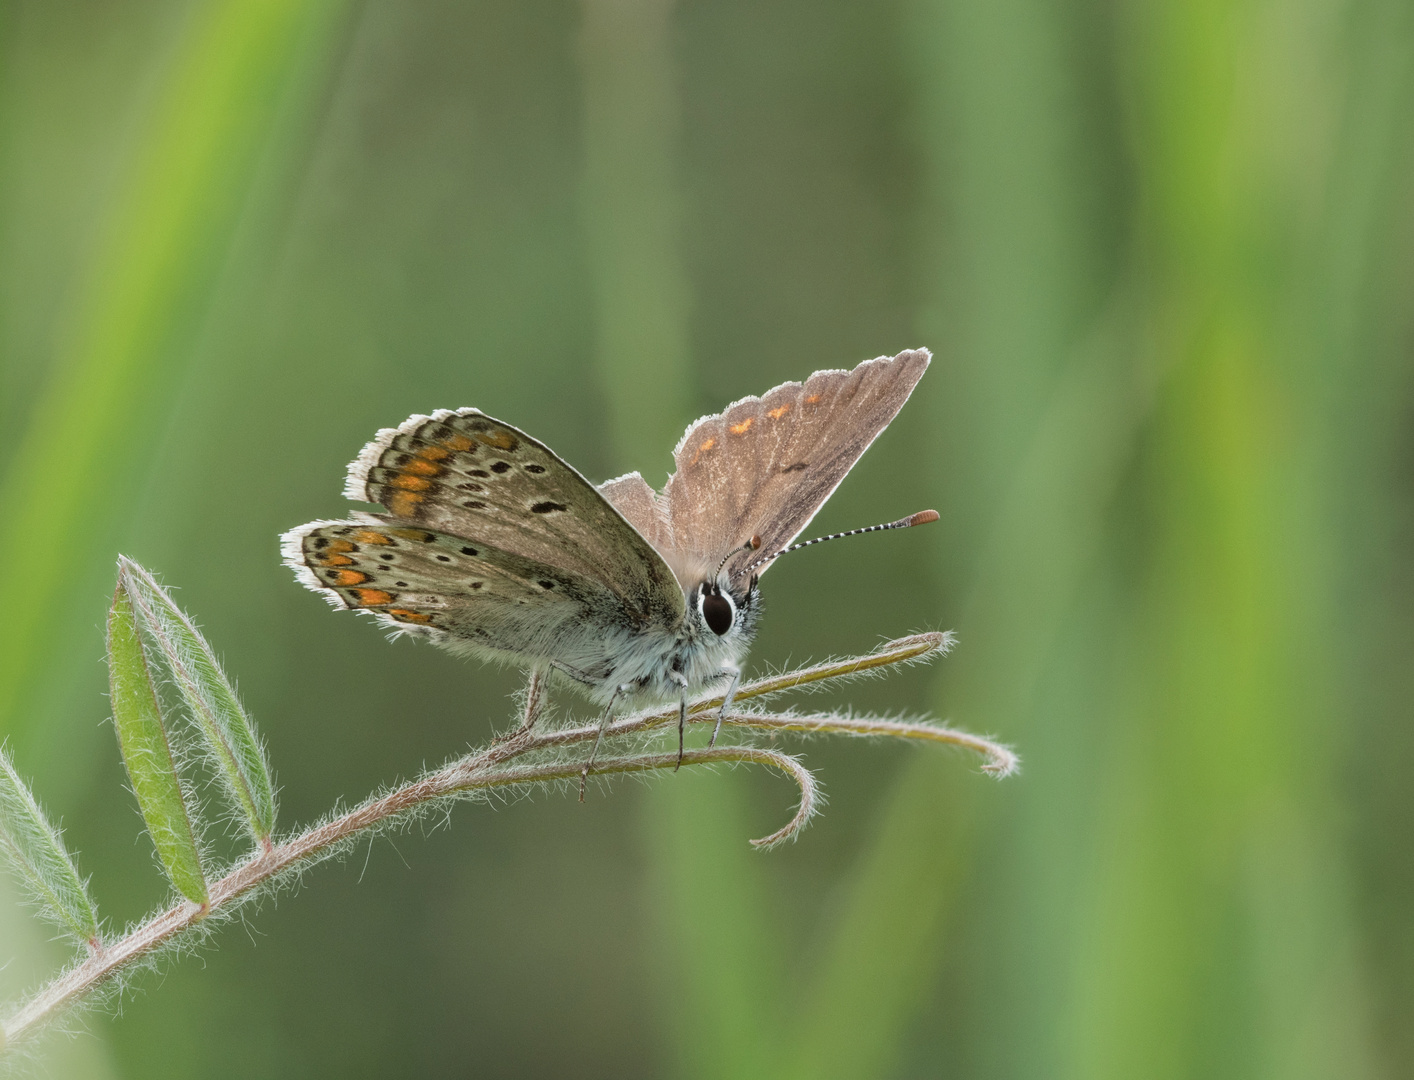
(754, 544)
(923, 517)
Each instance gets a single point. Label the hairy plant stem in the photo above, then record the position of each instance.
(498, 766)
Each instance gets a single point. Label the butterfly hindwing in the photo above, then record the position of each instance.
(469, 475)
(642, 508)
(765, 466)
(460, 592)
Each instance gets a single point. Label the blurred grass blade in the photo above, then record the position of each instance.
(632, 205)
(712, 912)
(875, 962)
(143, 293)
(147, 752)
(36, 853)
(216, 710)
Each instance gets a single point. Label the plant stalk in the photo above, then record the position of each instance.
(493, 768)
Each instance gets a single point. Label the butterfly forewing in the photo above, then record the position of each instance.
(765, 466)
(469, 475)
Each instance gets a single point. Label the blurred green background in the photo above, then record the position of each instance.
(1163, 251)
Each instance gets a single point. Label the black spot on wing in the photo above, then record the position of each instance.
(548, 507)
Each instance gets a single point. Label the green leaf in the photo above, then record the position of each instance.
(147, 752)
(225, 728)
(37, 855)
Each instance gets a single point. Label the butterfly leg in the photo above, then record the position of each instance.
(603, 723)
(735, 673)
(578, 676)
(534, 703)
(681, 681)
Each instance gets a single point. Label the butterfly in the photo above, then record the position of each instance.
(495, 547)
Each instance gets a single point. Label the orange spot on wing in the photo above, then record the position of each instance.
(404, 615)
(368, 536)
(776, 414)
(333, 560)
(412, 534)
(404, 503)
(409, 483)
(812, 399)
(501, 440)
(340, 545)
(743, 427)
(459, 443)
(372, 597)
(418, 467)
(702, 450)
(350, 577)
(434, 453)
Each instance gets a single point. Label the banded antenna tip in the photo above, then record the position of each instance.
(923, 517)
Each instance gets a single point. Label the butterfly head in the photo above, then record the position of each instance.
(718, 608)
(715, 606)
(725, 609)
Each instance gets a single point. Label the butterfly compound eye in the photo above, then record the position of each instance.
(717, 611)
